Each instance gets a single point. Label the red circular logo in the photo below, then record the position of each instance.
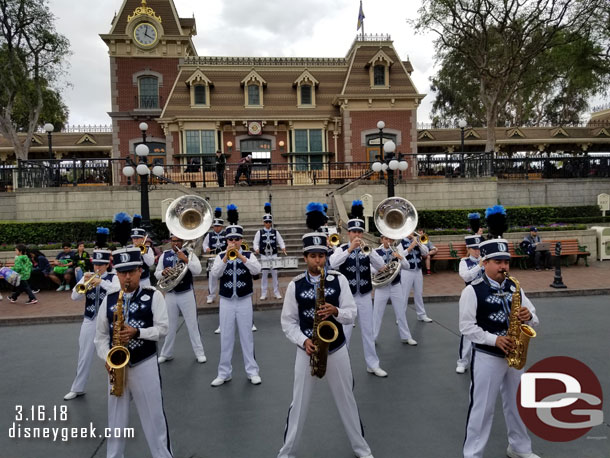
(560, 399)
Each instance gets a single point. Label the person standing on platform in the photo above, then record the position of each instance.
(297, 321)
(104, 283)
(180, 299)
(145, 323)
(267, 242)
(221, 162)
(356, 265)
(235, 310)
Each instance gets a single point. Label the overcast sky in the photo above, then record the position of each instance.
(279, 28)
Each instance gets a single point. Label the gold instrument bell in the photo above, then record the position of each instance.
(232, 253)
(82, 288)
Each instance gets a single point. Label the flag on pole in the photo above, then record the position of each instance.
(360, 17)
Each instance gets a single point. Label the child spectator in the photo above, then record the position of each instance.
(23, 266)
(63, 268)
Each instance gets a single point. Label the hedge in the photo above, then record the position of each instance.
(57, 232)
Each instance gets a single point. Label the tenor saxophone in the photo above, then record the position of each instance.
(118, 356)
(518, 332)
(324, 333)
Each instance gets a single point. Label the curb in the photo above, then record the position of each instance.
(274, 305)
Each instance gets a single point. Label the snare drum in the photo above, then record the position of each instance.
(289, 262)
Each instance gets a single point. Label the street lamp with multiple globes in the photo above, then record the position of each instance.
(462, 125)
(143, 170)
(389, 164)
(49, 128)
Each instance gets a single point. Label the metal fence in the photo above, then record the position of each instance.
(108, 172)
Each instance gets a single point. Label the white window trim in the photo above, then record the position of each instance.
(198, 78)
(306, 79)
(381, 58)
(253, 78)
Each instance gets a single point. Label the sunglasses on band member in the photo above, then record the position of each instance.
(233, 239)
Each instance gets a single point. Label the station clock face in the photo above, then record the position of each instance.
(145, 34)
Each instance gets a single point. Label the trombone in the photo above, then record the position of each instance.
(82, 288)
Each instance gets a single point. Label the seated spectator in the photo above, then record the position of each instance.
(432, 250)
(63, 268)
(530, 242)
(23, 266)
(82, 261)
(41, 269)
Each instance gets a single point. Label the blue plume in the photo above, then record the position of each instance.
(325, 207)
(494, 210)
(231, 207)
(357, 202)
(135, 215)
(267, 204)
(103, 230)
(314, 207)
(218, 209)
(121, 217)
(474, 215)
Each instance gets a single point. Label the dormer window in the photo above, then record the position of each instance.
(199, 86)
(379, 70)
(306, 90)
(254, 86)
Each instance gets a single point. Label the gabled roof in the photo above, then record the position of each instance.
(514, 132)
(304, 78)
(559, 131)
(87, 138)
(198, 76)
(253, 76)
(165, 9)
(471, 133)
(380, 56)
(425, 135)
(601, 132)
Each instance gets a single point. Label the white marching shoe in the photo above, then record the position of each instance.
(409, 341)
(460, 369)
(255, 380)
(254, 329)
(217, 330)
(425, 319)
(72, 395)
(201, 359)
(219, 381)
(162, 359)
(209, 300)
(512, 454)
(379, 372)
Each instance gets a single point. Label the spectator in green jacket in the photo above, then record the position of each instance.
(23, 266)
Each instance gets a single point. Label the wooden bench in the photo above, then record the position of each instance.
(455, 251)
(570, 247)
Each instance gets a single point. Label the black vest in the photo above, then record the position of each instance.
(387, 257)
(471, 265)
(305, 294)
(216, 242)
(170, 259)
(236, 278)
(357, 270)
(138, 314)
(268, 242)
(493, 310)
(94, 297)
(414, 256)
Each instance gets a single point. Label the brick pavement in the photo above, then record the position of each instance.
(442, 286)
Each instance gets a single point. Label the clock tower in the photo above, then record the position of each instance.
(146, 42)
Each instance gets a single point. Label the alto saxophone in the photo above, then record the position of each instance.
(518, 332)
(324, 333)
(118, 356)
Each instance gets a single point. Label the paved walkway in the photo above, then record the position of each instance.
(439, 287)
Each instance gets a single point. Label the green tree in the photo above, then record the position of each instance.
(31, 60)
(515, 62)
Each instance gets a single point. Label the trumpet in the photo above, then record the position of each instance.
(334, 239)
(143, 248)
(82, 288)
(364, 247)
(233, 252)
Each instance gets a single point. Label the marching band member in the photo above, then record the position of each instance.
(356, 267)
(104, 283)
(145, 323)
(297, 321)
(471, 268)
(181, 299)
(213, 243)
(138, 239)
(266, 244)
(485, 307)
(236, 289)
(412, 278)
(393, 292)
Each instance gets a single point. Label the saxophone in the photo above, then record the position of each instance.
(324, 332)
(518, 332)
(118, 356)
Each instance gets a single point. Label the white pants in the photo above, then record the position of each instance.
(212, 286)
(393, 293)
(364, 303)
(145, 282)
(86, 351)
(491, 375)
(182, 303)
(340, 381)
(464, 352)
(264, 277)
(413, 279)
(144, 386)
(237, 310)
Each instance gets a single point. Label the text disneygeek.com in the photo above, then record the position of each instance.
(18, 431)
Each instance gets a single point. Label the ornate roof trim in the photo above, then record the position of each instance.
(425, 135)
(198, 76)
(86, 139)
(143, 10)
(472, 133)
(380, 56)
(559, 131)
(266, 61)
(514, 132)
(305, 77)
(36, 139)
(253, 76)
(602, 132)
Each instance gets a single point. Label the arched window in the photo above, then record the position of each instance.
(149, 92)
(379, 75)
(200, 95)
